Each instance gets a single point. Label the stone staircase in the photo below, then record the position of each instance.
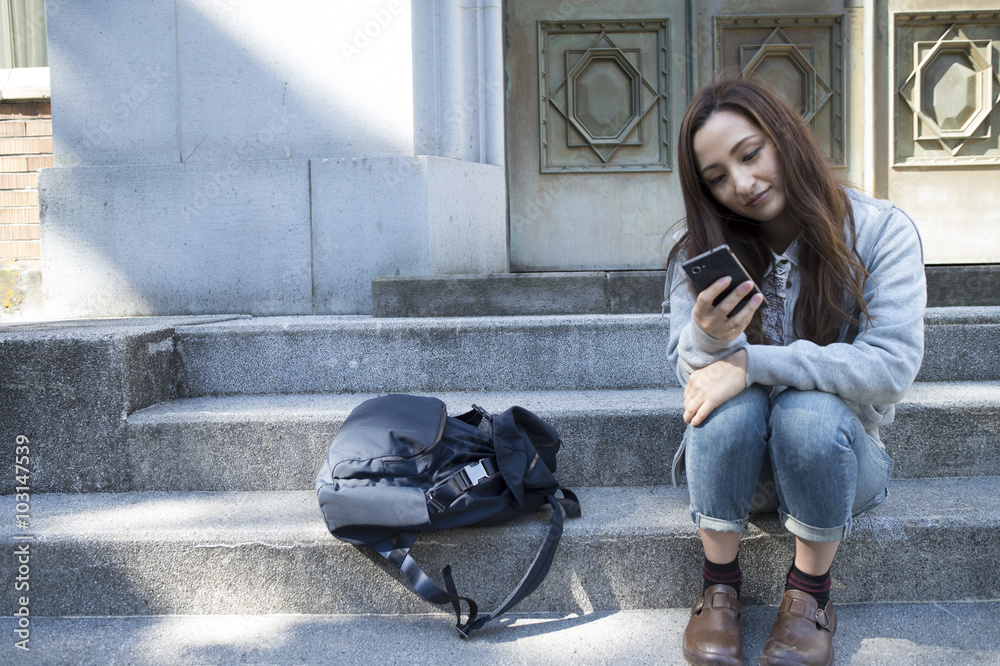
(172, 517)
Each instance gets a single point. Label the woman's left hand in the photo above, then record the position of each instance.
(713, 385)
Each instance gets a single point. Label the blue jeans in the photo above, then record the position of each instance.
(804, 454)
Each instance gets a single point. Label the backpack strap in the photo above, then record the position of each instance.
(460, 483)
(397, 553)
(539, 567)
(569, 502)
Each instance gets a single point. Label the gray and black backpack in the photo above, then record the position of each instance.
(399, 465)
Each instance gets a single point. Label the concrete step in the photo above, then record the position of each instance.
(610, 438)
(600, 292)
(68, 387)
(957, 634)
(125, 554)
(575, 352)
(518, 294)
(365, 355)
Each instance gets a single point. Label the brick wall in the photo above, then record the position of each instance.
(25, 147)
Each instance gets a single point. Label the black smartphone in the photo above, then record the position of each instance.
(705, 269)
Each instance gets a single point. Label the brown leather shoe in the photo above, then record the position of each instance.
(803, 633)
(712, 635)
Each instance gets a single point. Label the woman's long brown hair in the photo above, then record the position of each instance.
(832, 277)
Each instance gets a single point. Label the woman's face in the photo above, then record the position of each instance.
(740, 166)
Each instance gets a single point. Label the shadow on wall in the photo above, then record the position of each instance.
(223, 133)
(228, 80)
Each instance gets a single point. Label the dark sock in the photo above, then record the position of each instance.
(722, 574)
(817, 586)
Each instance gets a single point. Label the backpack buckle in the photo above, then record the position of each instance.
(476, 472)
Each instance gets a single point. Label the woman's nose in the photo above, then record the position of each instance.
(743, 181)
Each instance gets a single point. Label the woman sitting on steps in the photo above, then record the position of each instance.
(787, 397)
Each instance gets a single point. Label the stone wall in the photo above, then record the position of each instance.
(237, 156)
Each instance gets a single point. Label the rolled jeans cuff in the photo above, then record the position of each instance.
(718, 525)
(817, 534)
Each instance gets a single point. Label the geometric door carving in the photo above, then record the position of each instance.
(947, 106)
(801, 57)
(603, 102)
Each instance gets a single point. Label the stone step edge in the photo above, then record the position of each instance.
(294, 516)
(934, 316)
(277, 442)
(956, 633)
(293, 406)
(611, 292)
(156, 553)
(294, 355)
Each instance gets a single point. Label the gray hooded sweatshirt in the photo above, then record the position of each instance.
(871, 365)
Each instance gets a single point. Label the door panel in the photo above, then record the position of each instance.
(593, 92)
(805, 52)
(944, 166)
(801, 57)
(904, 100)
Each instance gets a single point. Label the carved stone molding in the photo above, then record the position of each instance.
(801, 57)
(948, 89)
(603, 103)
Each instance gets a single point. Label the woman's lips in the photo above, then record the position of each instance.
(758, 199)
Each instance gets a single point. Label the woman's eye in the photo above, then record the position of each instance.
(751, 155)
(715, 181)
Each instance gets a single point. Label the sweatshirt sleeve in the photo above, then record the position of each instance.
(885, 356)
(689, 347)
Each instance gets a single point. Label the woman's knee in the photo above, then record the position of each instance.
(808, 426)
(739, 423)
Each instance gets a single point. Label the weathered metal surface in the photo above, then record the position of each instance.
(594, 92)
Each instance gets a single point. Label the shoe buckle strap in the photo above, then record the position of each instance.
(796, 606)
(723, 600)
(699, 604)
(717, 601)
(802, 609)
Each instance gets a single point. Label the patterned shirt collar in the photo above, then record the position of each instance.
(791, 253)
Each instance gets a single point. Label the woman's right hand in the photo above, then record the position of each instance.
(713, 320)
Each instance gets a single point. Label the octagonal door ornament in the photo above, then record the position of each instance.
(602, 96)
(801, 57)
(949, 95)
